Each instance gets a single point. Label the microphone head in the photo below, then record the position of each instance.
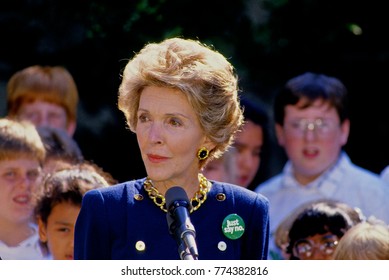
(176, 195)
(179, 224)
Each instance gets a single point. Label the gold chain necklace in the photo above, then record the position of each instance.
(198, 199)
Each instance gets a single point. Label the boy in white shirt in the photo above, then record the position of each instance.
(21, 156)
(312, 125)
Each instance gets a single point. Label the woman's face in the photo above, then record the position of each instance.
(169, 136)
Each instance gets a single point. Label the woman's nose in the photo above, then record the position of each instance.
(155, 133)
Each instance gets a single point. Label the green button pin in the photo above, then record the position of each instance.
(233, 226)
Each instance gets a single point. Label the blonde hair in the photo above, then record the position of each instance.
(52, 84)
(365, 241)
(204, 75)
(20, 138)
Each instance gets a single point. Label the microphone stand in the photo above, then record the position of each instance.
(184, 253)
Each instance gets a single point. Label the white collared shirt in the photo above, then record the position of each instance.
(28, 249)
(385, 174)
(344, 182)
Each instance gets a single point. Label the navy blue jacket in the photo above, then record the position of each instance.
(114, 223)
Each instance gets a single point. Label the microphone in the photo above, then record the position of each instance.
(180, 226)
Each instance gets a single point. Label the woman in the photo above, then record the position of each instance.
(180, 98)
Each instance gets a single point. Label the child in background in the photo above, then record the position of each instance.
(251, 144)
(315, 233)
(365, 241)
(58, 205)
(318, 218)
(222, 169)
(61, 149)
(21, 157)
(44, 95)
(63, 152)
(241, 164)
(312, 125)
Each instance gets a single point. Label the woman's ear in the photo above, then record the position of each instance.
(209, 144)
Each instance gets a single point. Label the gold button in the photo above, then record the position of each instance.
(138, 197)
(221, 197)
(222, 246)
(140, 246)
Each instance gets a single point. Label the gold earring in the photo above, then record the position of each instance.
(202, 153)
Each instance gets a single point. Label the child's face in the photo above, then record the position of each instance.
(59, 230)
(42, 113)
(248, 144)
(216, 170)
(313, 138)
(316, 247)
(18, 181)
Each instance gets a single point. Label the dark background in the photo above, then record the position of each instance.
(268, 41)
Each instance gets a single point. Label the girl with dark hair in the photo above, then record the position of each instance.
(316, 231)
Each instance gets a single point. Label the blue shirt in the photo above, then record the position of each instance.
(121, 222)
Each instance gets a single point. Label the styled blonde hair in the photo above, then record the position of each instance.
(365, 241)
(204, 75)
(52, 84)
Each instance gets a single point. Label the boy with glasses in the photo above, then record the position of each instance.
(312, 125)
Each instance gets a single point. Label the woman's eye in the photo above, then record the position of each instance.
(143, 118)
(175, 122)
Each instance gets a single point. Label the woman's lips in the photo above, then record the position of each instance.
(156, 158)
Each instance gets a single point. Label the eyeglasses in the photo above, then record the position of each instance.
(322, 127)
(304, 248)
